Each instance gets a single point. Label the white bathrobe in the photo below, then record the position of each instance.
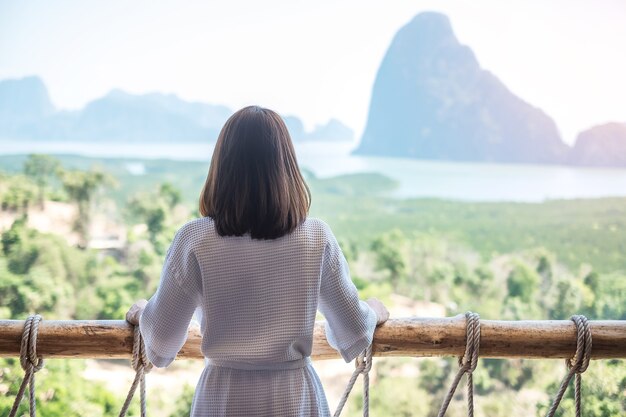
(258, 300)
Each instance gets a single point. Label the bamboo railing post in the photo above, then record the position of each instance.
(413, 336)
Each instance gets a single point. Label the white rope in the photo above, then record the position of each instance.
(30, 364)
(467, 364)
(575, 365)
(141, 364)
(362, 365)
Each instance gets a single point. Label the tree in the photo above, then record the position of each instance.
(183, 403)
(41, 168)
(155, 210)
(62, 392)
(388, 256)
(17, 193)
(81, 187)
(170, 194)
(523, 282)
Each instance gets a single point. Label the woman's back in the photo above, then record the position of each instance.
(258, 300)
(258, 269)
(260, 296)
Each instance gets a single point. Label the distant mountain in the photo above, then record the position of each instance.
(603, 145)
(432, 100)
(332, 131)
(149, 117)
(295, 127)
(26, 112)
(23, 103)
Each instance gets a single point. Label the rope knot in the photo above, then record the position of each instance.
(140, 361)
(467, 364)
(362, 365)
(469, 360)
(580, 361)
(363, 362)
(30, 363)
(142, 365)
(28, 347)
(576, 365)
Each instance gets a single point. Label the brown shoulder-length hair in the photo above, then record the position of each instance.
(254, 183)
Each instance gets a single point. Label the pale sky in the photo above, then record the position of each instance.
(315, 59)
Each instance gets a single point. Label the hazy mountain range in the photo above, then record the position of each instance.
(26, 112)
(431, 100)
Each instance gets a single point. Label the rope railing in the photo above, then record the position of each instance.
(467, 364)
(415, 336)
(141, 364)
(612, 331)
(31, 363)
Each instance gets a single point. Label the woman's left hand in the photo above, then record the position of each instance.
(382, 314)
(135, 312)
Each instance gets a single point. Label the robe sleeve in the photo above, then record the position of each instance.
(165, 320)
(350, 322)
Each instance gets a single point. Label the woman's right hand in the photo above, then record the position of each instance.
(379, 308)
(133, 314)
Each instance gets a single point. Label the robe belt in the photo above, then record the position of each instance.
(260, 366)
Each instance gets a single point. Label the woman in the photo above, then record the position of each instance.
(258, 269)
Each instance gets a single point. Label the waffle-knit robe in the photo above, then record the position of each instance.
(258, 300)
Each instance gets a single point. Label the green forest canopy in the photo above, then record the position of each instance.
(502, 260)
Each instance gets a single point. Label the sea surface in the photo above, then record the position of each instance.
(416, 178)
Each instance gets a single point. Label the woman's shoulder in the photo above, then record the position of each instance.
(324, 239)
(317, 227)
(196, 230)
(315, 224)
(198, 224)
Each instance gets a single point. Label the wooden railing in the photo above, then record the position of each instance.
(398, 337)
